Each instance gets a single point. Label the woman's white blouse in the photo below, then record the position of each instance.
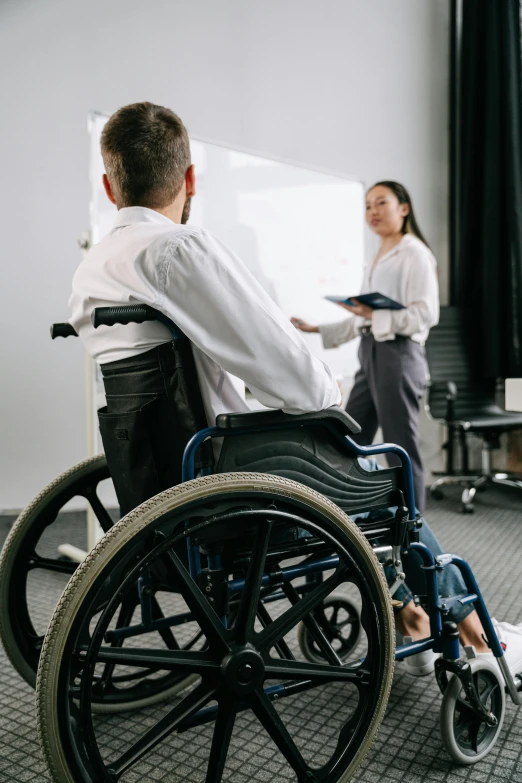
(408, 274)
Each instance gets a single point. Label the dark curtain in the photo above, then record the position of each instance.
(488, 178)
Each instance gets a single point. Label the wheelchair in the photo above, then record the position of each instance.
(280, 608)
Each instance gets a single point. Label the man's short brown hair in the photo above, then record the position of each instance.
(146, 152)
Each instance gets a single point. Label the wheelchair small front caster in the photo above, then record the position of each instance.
(339, 620)
(466, 735)
(467, 508)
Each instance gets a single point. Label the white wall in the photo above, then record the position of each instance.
(353, 86)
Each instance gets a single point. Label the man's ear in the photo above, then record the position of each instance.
(190, 181)
(108, 189)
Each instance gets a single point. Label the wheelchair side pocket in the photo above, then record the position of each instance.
(130, 450)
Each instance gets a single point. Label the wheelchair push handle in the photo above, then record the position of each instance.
(133, 314)
(124, 314)
(63, 330)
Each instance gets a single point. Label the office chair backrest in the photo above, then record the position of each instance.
(448, 361)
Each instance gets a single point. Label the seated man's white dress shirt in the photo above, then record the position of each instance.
(197, 282)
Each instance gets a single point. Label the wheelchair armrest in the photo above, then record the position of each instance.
(258, 420)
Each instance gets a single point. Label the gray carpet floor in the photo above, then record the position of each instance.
(408, 747)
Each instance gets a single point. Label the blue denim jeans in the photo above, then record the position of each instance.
(450, 579)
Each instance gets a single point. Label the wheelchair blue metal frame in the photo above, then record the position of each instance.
(438, 609)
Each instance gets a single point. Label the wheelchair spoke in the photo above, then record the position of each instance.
(225, 719)
(465, 710)
(318, 672)
(208, 620)
(166, 634)
(488, 691)
(246, 615)
(162, 729)
(314, 628)
(287, 621)
(269, 718)
(50, 564)
(462, 728)
(101, 513)
(282, 647)
(124, 619)
(155, 659)
(474, 730)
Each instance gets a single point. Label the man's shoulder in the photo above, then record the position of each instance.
(176, 235)
(147, 251)
(180, 236)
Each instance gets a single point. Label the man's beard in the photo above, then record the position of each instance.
(186, 210)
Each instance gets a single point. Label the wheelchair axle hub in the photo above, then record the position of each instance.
(243, 670)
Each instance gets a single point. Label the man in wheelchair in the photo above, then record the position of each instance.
(244, 534)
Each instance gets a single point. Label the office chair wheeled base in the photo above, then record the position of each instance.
(473, 484)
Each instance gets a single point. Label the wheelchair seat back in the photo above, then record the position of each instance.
(316, 456)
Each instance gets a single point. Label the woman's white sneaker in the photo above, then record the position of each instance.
(510, 638)
(420, 664)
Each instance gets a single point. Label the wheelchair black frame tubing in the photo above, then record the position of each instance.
(175, 331)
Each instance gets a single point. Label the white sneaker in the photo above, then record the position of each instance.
(420, 664)
(510, 638)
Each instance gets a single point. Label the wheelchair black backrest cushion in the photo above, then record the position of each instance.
(316, 457)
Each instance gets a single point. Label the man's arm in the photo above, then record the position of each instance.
(211, 295)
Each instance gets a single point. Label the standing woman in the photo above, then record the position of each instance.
(392, 376)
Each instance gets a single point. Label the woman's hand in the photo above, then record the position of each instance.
(359, 309)
(303, 326)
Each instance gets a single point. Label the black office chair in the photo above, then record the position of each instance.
(466, 405)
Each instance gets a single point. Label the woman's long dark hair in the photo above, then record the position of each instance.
(410, 225)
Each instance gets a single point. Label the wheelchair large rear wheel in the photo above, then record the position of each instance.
(30, 563)
(259, 536)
